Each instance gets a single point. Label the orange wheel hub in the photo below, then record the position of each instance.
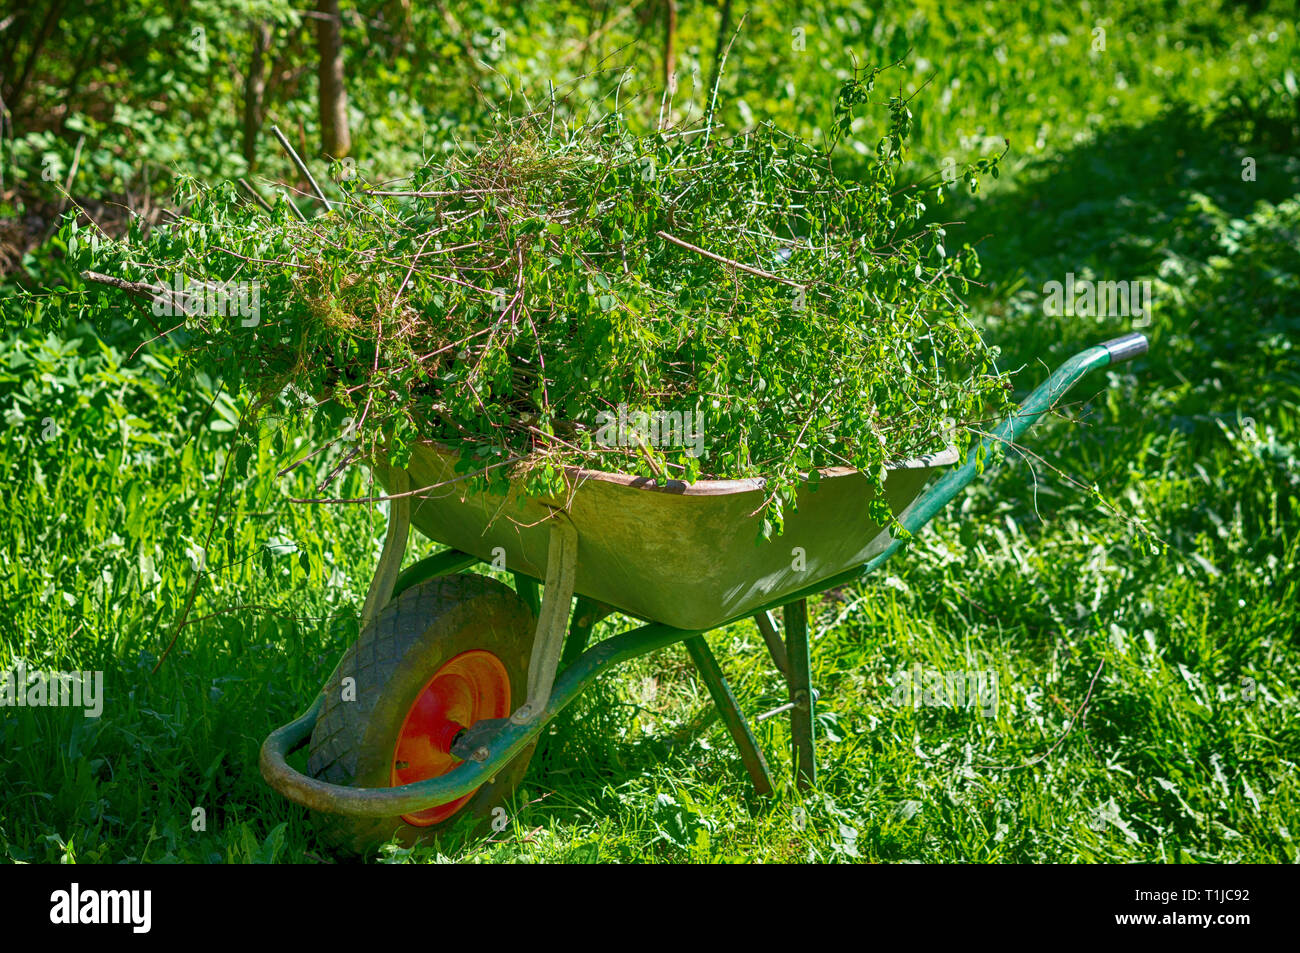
(468, 688)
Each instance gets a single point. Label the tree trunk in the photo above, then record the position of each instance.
(719, 47)
(15, 92)
(13, 35)
(255, 91)
(336, 139)
(71, 99)
(670, 39)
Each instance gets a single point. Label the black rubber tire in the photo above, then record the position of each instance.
(392, 661)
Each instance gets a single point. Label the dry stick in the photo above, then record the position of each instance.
(295, 209)
(410, 271)
(302, 167)
(758, 272)
(133, 287)
(648, 455)
(811, 414)
(1026, 453)
(339, 467)
(256, 196)
(168, 297)
(1074, 720)
(207, 414)
(448, 347)
(374, 372)
(157, 337)
(424, 489)
(72, 174)
(541, 357)
(283, 191)
(436, 195)
(1082, 709)
(279, 262)
(256, 607)
(303, 459)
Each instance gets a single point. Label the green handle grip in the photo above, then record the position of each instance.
(1043, 399)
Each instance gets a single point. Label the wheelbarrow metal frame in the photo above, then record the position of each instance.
(579, 665)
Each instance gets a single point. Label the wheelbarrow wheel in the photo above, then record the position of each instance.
(443, 655)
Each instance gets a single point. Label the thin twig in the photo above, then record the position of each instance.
(302, 167)
(1065, 734)
(254, 194)
(72, 174)
(423, 489)
(758, 272)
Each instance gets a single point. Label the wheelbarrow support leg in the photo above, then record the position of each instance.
(586, 613)
(561, 565)
(731, 714)
(773, 639)
(801, 696)
(527, 590)
(390, 560)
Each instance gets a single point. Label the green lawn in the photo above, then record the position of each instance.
(1169, 603)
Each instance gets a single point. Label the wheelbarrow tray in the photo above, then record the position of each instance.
(688, 556)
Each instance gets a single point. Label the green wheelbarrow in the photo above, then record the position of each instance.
(430, 718)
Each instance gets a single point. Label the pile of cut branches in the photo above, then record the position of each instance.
(683, 304)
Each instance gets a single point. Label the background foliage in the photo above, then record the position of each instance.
(1126, 163)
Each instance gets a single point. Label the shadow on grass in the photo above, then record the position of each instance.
(1146, 202)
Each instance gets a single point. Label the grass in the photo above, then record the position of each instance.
(1146, 652)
